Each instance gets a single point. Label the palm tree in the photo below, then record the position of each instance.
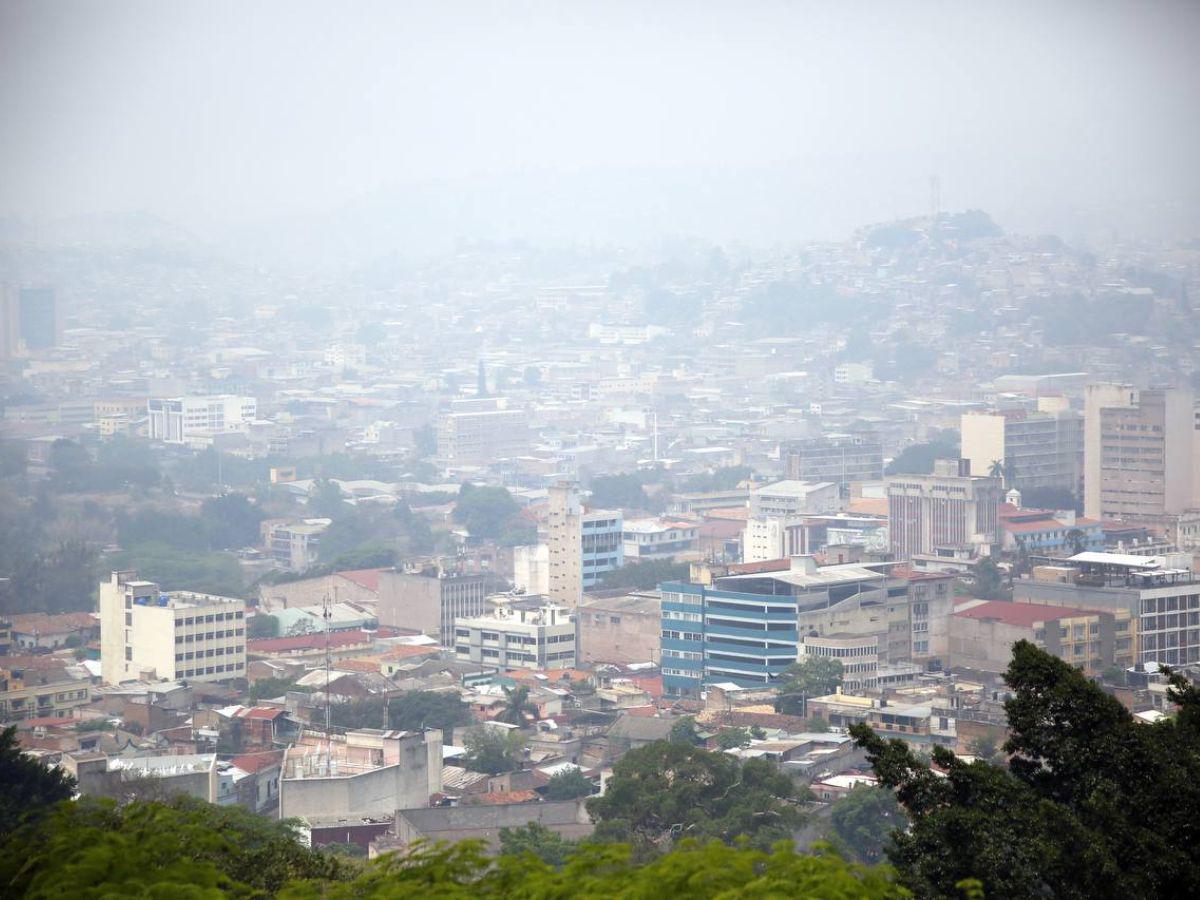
(517, 706)
(1077, 541)
(996, 469)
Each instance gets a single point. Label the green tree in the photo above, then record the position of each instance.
(269, 688)
(184, 848)
(262, 625)
(684, 732)
(231, 521)
(665, 791)
(569, 784)
(517, 707)
(493, 751)
(536, 840)
(484, 511)
(864, 820)
(174, 569)
(28, 789)
(996, 469)
(418, 710)
(810, 676)
(732, 738)
(818, 725)
(621, 491)
(918, 459)
(325, 500)
(643, 575)
(989, 582)
(1076, 541)
(1093, 803)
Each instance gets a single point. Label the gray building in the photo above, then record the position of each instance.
(431, 599)
(841, 459)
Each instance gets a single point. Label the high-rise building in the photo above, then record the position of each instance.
(564, 538)
(949, 508)
(179, 419)
(1042, 449)
(1140, 449)
(841, 459)
(481, 431)
(39, 318)
(145, 632)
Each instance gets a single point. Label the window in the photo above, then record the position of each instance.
(129, 621)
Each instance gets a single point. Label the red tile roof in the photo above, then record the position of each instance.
(767, 565)
(256, 762)
(310, 641)
(260, 712)
(1022, 614)
(27, 623)
(367, 578)
(48, 722)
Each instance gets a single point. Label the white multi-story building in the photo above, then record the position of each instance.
(148, 633)
(564, 540)
(1042, 449)
(658, 538)
(946, 509)
(481, 431)
(526, 633)
(794, 498)
(858, 654)
(177, 420)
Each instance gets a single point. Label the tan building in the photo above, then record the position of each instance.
(148, 634)
(982, 633)
(431, 599)
(479, 432)
(40, 693)
(1042, 449)
(564, 541)
(949, 508)
(1140, 452)
(620, 630)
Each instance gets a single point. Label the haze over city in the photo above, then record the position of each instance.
(599, 450)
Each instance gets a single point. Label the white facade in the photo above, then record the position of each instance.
(531, 568)
(520, 636)
(858, 654)
(657, 538)
(177, 420)
(794, 498)
(177, 635)
(564, 540)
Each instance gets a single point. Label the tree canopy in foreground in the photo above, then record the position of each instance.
(1093, 804)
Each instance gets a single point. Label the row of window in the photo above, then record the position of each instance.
(205, 654)
(209, 636)
(683, 635)
(1170, 621)
(682, 654)
(214, 617)
(231, 668)
(1170, 604)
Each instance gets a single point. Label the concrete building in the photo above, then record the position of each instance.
(602, 547)
(294, 545)
(786, 499)
(1042, 449)
(746, 628)
(363, 772)
(28, 693)
(658, 538)
(564, 540)
(432, 598)
(525, 633)
(192, 774)
(178, 420)
(1163, 602)
(858, 654)
(949, 508)
(531, 568)
(620, 630)
(29, 320)
(982, 633)
(842, 459)
(1140, 449)
(481, 431)
(147, 634)
(566, 818)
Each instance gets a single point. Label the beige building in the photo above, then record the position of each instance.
(858, 654)
(1140, 452)
(620, 629)
(479, 432)
(527, 633)
(946, 509)
(431, 599)
(147, 634)
(365, 772)
(564, 540)
(1042, 449)
(39, 693)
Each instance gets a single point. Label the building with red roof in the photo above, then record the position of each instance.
(982, 633)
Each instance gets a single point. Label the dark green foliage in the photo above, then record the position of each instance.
(666, 791)
(643, 575)
(864, 820)
(601, 872)
(569, 785)
(269, 688)
(416, 710)
(989, 581)
(537, 840)
(369, 536)
(724, 479)
(43, 574)
(28, 789)
(684, 732)
(325, 501)
(484, 511)
(518, 708)
(493, 750)
(1049, 498)
(731, 738)
(621, 491)
(263, 625)
(1093, 804)
(174, 569)
(811, 676)
(118, 465)
(232, 521)
(12, 459)
(918, 459)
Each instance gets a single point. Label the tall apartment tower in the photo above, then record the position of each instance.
(1140, 447)
(1042, 449)
(949, 508)
(564, 538)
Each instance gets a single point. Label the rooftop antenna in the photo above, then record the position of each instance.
(327, 615)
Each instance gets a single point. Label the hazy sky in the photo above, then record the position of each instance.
(215, 113)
